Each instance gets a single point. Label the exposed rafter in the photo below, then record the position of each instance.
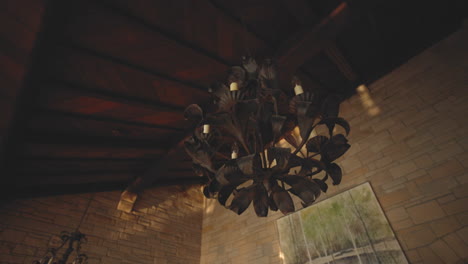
(65, 88)
(30, 191)
(334, 54)
(103, 121)
(80, 48)
(130, 195)
(155, 29)
(301, 10)
(308, 42)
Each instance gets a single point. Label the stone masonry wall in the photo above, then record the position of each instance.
(164, 228)
(409, 140)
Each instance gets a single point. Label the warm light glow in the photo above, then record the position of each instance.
(285, 144)
(234, 87)
(298, 90)
(281, 256)
(234, 155)
(367, 101)
(206, 129)
(209, 205)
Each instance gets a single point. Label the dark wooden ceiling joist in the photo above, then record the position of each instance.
(110, 121)
(240, 21)
(302, 11)
(135, 66)
(61, 85)
(79, 100)
(41, 179)
(151, 174)
(60, 166)
(265, 18)
(49, 150)
(336, 55)
(58, 138)
(310, 41)
(161, 31)
(25, 191)
(56, 122)
(100, 29)
(99, 72)
(30, 191)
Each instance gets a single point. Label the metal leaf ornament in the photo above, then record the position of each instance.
(242, 153)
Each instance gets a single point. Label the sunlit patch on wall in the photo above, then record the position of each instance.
(367, 101)
(281, 255)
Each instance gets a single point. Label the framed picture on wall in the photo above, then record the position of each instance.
(347, 228)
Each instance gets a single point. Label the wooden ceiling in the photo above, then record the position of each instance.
(104, 98)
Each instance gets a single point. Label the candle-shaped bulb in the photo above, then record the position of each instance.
(298, 89)
(234, 155)
(235, 150)
(234, 86)
(206, 129)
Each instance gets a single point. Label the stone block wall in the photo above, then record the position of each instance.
(165, 226)
(409, 140)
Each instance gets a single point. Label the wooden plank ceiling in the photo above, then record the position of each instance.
(105, 95)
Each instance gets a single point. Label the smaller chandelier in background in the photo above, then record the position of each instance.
(69, 245)
(73, 240)
(239, 147)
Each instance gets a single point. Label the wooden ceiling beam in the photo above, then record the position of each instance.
(265, 42)
(79, 100)
(63, 150)
(78, 66)
(309, 42)
(158, 30)
(119, 61)
(51, 122)
(40, 179)
(301, 10)
(15, 191)
(130, 195)
(147, 178)
(96, 27)
(58, 138)
(60, 166)
(336, 56)
(57, 86)
(110, 121)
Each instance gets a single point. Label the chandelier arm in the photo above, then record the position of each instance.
(64, 241)
(316, 154)
(315, 172)
(237, 125)
(303, 142)
(245, 147)
(302, 154)
(264, 162)
(262, 152)
(221, 155)
(275, 105)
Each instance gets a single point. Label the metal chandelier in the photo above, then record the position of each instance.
(238, 147)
